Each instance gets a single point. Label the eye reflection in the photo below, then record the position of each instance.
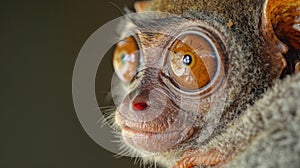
(187, 59)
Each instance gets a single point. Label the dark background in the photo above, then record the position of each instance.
(40, 41)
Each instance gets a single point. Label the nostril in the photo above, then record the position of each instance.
(140, 106)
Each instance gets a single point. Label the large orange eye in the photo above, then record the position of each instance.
(126, 59)
(193, 61)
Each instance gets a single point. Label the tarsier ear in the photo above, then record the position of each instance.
(281, 29)
(141, 6)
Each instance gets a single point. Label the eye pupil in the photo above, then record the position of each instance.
(187, 59)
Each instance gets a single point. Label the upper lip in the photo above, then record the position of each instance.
(159, 125)
(146, 132)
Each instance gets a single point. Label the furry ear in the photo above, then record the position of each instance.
(141, 6)
(281, 30)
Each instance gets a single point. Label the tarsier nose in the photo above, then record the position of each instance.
(139, 106)
(141, 101)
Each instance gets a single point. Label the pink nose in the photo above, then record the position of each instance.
(139, 106)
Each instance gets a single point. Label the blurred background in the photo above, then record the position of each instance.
(40, 41)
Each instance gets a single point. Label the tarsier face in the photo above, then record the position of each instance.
(167, 71)
(191, 73)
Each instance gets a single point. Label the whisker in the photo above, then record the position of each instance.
(108, 116)
(106, 107)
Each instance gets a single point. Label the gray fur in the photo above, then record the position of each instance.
(271, 128)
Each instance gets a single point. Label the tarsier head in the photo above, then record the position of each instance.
(195, 66)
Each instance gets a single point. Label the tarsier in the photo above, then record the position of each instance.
(212, 83)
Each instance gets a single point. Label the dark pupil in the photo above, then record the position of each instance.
(187, 59)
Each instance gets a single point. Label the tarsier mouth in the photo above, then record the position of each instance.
(152, 140)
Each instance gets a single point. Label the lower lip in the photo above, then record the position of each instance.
(153, 142)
